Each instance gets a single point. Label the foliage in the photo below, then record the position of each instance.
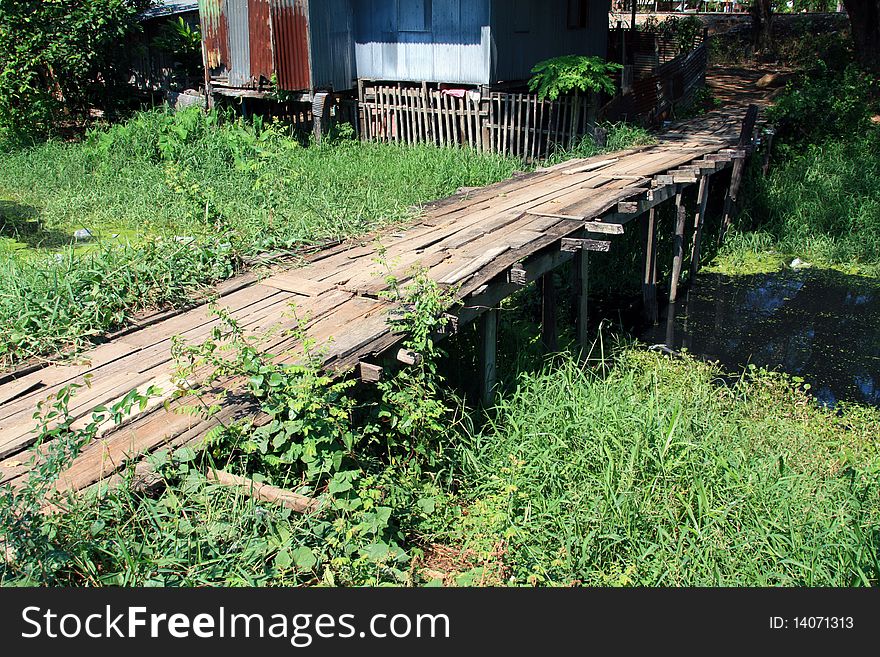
(309, 427)
(413, 409)
(58, 58)
(682, 31)
(652, 473)
(184, 43)
(826, 103)
(28, 534)
(562, 75)
(821, 198)
(50, 303)
(616, 136)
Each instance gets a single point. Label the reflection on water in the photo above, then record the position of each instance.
(821, 325)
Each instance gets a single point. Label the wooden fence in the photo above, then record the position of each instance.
(412, 115)
(516, 124)
(650, 94)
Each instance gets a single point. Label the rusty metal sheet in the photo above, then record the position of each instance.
(260, 32)
(290, 43)
(214, 35)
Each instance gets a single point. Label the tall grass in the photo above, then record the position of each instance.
(823, 202)
(656, 474)
(821, 199)
(188, 195)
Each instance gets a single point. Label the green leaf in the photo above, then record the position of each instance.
(375, 551)
(304, 558)
(283, 560)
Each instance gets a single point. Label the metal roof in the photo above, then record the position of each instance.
(169, 8)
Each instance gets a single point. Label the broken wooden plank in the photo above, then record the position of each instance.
(475, 265)
(266, 493)
(584, 244)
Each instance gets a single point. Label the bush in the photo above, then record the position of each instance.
(561, 75)
(58, 58)
(824, 103)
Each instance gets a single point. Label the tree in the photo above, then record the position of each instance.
(58, 58)
(762, 17)
(864, 18)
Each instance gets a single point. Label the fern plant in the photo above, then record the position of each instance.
(560, 75)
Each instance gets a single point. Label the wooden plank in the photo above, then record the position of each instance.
(475, 265)
(266, 493)
(296, 282)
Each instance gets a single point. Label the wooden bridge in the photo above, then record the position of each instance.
(487, 243)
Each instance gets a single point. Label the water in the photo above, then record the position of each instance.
(823, 326)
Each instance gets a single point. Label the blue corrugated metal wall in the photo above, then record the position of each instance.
(525, 32)
(453, 44)
(331, 26)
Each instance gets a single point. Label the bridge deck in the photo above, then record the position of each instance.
(470, 240)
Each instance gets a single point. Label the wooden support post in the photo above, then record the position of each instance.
(670, 325)
(548, 313)
(649, 281)
(677, 245)
(745, 138)
(488, 344)
(699, 220)
(581, 269)
(730, 196)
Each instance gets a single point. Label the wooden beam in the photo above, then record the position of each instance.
(581, 268)
(266, 493)
(488, 346)
(584, 244)
(699, 220)
(548, 313)
(677, 245)
(370, 373)
(649, 280)
(730, 197)
(654, 197)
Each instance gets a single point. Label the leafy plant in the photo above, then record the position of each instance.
(561, 75)
(28, 534)
(412, 402)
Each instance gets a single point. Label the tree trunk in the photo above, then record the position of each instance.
(864, 18)
(762, 15)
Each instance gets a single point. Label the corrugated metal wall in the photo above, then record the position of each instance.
(248, 41)
(290, 40)
(525, 32)
(331, 27)
(430, 40)
(238, 68)
(214, 34)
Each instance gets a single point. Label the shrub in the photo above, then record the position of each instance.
(561, 75)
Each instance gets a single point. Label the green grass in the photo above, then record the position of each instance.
(640, 471)
(657, 474)
(821, 198)
(145, 187)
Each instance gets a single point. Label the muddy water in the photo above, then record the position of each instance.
(821, 325)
